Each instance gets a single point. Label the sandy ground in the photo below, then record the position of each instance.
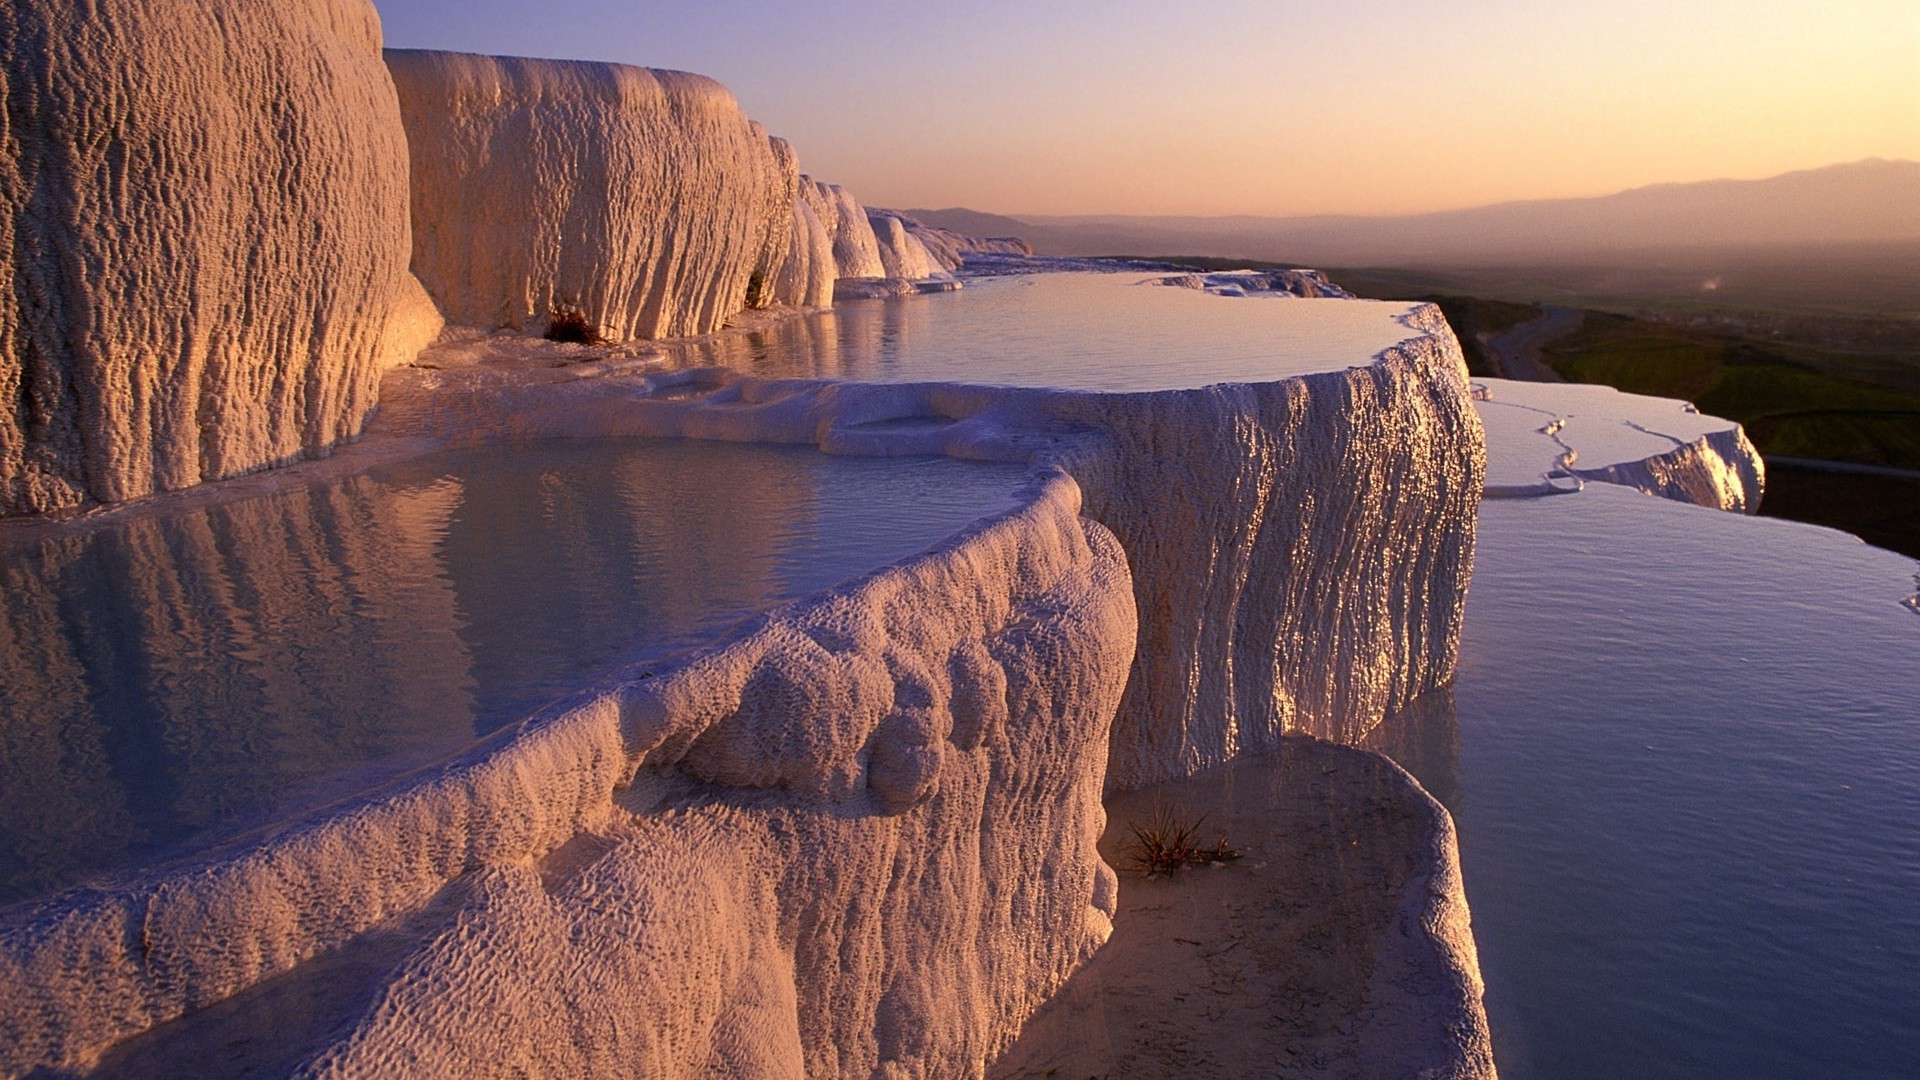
(1257, 967)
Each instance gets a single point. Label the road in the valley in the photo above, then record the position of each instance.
(1517, 351)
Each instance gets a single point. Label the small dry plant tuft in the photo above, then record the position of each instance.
(1165, 843)
(566, 322)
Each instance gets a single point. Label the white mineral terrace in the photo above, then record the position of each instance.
(794, 815)
(1546, 438)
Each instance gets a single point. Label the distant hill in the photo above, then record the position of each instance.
(970, 222)
(1873, 201)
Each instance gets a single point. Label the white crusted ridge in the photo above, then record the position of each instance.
(192, 298)
(643, 200)
(949, 249)
(1311, 284)
(1546, 438)
(1300, 548)
(979, 676)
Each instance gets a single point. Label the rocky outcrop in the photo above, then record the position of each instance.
(901, 253)
(203, 237)
(644, 200)
(807, 275)
(1300, 548)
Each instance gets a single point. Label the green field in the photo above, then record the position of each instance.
(1789, 406)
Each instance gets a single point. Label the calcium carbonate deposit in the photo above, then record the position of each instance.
(854, 835)
(1546, 438)
(643, 200)
(191, 298)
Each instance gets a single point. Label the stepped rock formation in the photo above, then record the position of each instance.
(190, 294)
(644, 199)
(820, 780)
(807, 274)
(1547, 438)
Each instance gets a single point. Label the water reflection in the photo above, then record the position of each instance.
(178, 677)
(1072, 330)
(1424, 739)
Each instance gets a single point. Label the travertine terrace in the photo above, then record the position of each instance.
(645, 200)
(857, 835)
(188, 297)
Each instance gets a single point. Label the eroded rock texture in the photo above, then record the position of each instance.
(203, 241)
(797, 879)
(856, 251)
(645, 200)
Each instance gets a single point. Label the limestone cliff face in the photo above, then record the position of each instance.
(856, 251)
(901, 252)
(807, 275)
(645, 199)
(949, 249)
(203, 241)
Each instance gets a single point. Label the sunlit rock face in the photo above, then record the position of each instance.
(901, 252)
(1547, 438)
(643, 199)
(856, 251)
(1301, 550)
(827, 903)
(806, 275)
(203, 224)
(949, 249)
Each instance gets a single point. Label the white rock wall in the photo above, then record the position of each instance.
(203, 239)
(807, 274)
(1300, 549)
(901, 253)
(856, 251)
(645, 199)
(949, 249)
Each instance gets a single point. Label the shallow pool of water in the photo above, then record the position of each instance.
(175, 677)
(1688, 793)
(1079, 331)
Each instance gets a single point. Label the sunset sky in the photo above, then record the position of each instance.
(1270, 107)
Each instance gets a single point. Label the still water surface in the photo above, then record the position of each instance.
(1688, 793)
(1076, 331)
(176, 677)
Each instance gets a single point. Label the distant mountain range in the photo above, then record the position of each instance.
(1866, 202)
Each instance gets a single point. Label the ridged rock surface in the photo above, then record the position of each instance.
(796, 881)
(856, 251)
(901, 253)
(1300, 548)
(203, 238)
(859, 837)
(950, 249)
(643, 199)
(807, 274)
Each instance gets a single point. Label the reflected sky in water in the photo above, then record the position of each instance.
(179, 676)
(1689, 793)
(1078, 331)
